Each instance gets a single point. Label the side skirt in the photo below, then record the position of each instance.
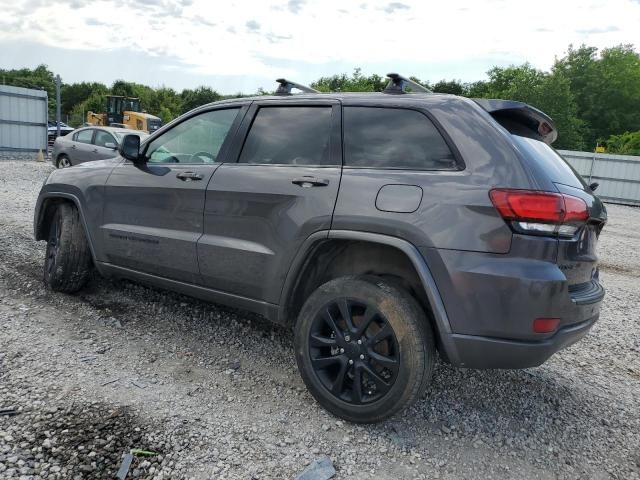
(267, 310)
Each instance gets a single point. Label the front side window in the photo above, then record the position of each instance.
(394, 138)
(102, 138)
(289, 136)
(84, 136)
(196, 140)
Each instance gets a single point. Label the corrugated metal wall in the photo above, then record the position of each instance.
(23, 120)
(618, 175)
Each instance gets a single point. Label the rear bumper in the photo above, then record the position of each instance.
(491, 302)
(486, 352)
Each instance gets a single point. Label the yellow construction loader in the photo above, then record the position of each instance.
(126, 112)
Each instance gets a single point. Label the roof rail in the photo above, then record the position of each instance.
(398, 84)
(286, 85)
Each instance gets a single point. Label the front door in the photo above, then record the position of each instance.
(153, 213)
(283, 188)
(104, 145)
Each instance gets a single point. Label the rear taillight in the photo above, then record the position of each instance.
(541, 213)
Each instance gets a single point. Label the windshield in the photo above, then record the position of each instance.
(551, 161)
(131, 105)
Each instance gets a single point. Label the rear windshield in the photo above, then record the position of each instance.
(530, 144)
(550, 161)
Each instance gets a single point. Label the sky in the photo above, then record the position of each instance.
(235, 46)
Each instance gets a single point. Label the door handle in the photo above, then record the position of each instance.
(73, 146)
(189, 176)
(306, 182)
(95, 150)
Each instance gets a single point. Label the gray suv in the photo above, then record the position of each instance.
(381, 227)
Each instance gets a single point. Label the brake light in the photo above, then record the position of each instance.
(545, 325)
(543, 213)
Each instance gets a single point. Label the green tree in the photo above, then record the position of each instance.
(165, 103)
(547, 92)
(195, 98)
(357, 82)
(454, 87)
(74, 94)
(606, 89)
(479, 89)
(627, 143)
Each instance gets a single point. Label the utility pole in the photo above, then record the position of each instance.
(58, 105)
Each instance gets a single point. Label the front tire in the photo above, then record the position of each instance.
(364, 348)
(68, 259)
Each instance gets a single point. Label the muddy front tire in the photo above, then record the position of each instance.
(68, 259)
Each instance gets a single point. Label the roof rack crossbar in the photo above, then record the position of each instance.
(286, 85)
(398, 84)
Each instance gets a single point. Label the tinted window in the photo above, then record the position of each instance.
(196, 140)
(289, 135)
(393, 138)
(553, 164)
(102, 138)
(84, 136)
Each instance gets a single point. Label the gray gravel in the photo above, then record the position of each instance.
(215, 392)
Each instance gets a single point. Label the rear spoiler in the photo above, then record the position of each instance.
(538, 123)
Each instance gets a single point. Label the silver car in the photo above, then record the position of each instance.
(89, 143)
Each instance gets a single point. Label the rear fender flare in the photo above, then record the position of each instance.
(441, 320)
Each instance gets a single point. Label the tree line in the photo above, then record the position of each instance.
(593, 96)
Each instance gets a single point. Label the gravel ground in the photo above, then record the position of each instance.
(215, 392)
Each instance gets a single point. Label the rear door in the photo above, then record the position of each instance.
(153, 213)
(104, 145)
(282, 189)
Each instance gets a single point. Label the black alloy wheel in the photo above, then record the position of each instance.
(364, 347)
(354, 351)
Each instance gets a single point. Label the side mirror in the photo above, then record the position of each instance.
(593, 186)
(111, 145)
(130, 148)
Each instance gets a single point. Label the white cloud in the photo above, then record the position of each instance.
(256, 38)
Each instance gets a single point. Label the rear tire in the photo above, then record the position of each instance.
(68, 260)
(364, 348)
(63, 162)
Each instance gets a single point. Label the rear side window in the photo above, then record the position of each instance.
(84, 136)
(394, 138)
(289, 136)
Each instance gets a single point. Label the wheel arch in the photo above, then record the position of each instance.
(46, 206)
(326, 255)
(60, 155)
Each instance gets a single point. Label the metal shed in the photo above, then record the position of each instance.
(23, 122)
(618, 175)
